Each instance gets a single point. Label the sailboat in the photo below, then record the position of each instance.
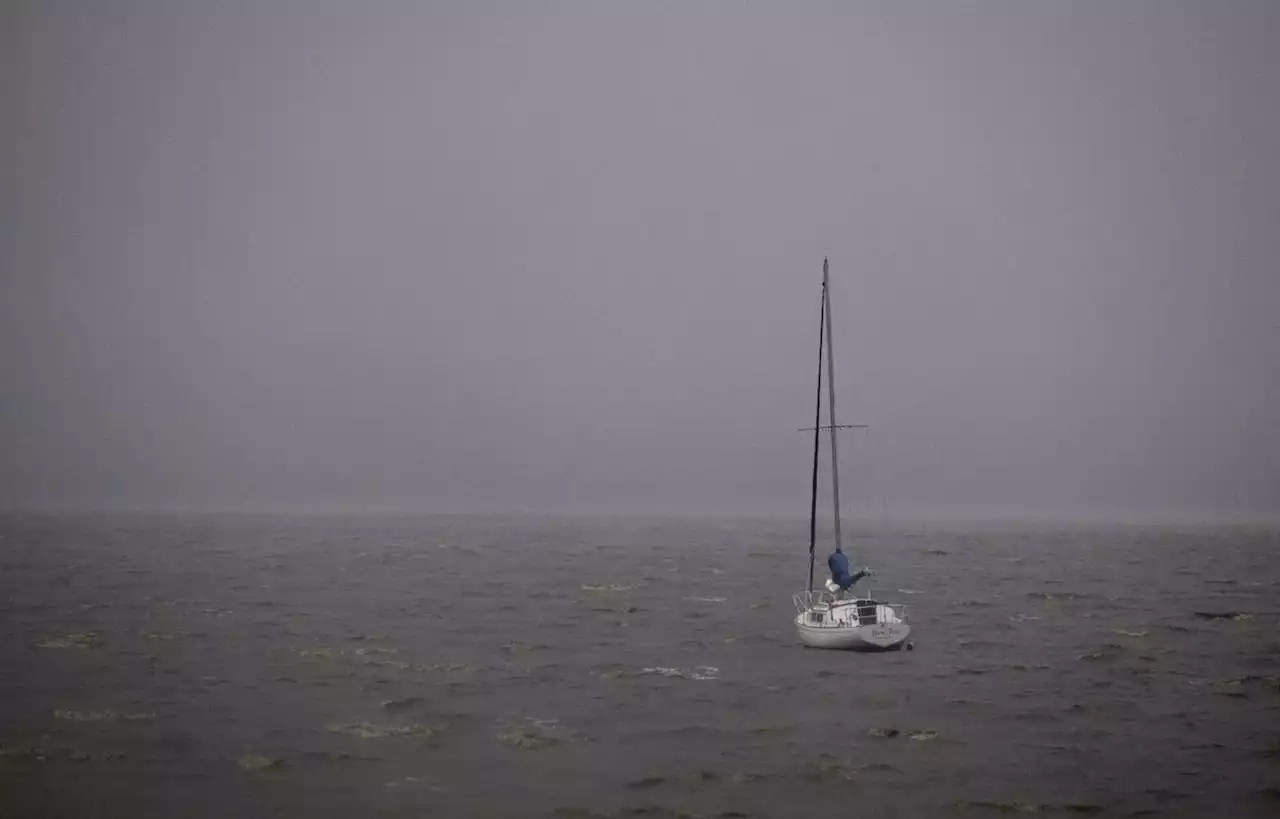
(825, 617)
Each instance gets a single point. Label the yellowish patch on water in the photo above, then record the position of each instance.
(256, 762)
(80, 640)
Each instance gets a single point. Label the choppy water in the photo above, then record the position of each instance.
(465, 667)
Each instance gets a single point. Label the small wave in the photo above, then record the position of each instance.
(395, 706)
(1238, 686)
(98, 716)
(1108, 651)
(1055, 596)
(538, 734)
(706, 599)
(366, 730)
(828, 767)
(702, 672)
(257, 762)
(1016, 806)
(159, 636)
(609, 672)
(1223, 615)
(647, 782)
(412, 781)
(689, 778)
(520, 647)
(42, 752)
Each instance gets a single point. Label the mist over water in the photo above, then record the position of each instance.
(441, 257)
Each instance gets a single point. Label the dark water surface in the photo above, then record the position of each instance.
(323, 667)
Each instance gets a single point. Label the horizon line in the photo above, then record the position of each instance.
(973, 515)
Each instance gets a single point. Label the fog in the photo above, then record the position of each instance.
(566, 257)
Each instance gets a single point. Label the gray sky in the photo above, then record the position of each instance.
(566, 256)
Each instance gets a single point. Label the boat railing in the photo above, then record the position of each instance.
(810, 599)
(899, 609)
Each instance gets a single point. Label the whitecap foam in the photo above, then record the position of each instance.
(702, 672)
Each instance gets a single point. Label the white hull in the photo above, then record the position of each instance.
(853, 638)
(852, 625)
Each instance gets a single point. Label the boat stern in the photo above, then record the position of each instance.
(885, 635)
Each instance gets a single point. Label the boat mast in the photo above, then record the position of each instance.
(831, 405)
(817, 426)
